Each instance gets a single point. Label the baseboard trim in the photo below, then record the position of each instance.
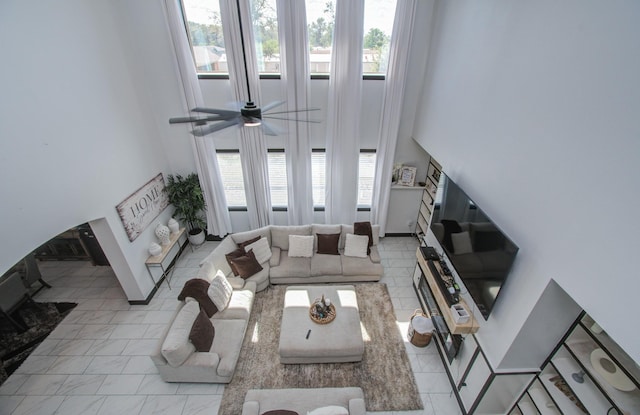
(147, 300)
(400, 234)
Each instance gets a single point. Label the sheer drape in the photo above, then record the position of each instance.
(343, 113)
(218, 221)
(252, 143)
(294, 66)
(399, 50)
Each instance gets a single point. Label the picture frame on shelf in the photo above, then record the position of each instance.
(407, 176)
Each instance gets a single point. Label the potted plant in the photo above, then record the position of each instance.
(186, 196)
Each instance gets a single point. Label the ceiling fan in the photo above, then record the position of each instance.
(249, 115)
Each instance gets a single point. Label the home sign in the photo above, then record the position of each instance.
(143, 206)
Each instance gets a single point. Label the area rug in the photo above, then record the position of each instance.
(41, 319)
(384, 374)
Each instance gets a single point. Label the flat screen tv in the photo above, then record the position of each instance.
(479, 251)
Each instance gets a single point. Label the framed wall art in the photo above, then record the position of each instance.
(407, 176)
(144, 205)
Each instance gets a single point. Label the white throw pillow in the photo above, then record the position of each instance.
(461, 243)
(331, 409)
(301, 246)
(356, 245)
(220, 291)
(261, 250)
(176, 347)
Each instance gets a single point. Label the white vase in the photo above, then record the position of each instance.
(163, 234)
(155, 249)
(173, 225)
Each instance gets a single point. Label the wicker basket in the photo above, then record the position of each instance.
(420, 329)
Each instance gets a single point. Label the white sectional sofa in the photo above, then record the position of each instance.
(219, 364)
(303, 401)
(319, 268)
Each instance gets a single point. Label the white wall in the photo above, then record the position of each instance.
(532, 108)
(75, 137)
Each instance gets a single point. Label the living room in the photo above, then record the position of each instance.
(529, 107)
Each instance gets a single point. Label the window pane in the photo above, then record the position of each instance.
(366, 172)
(232, 179)
(278, 178)
(205, 35)
(265, 31)
(320, 20)
(378, 25)
(318, 175)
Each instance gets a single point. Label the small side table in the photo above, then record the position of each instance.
(168, 253)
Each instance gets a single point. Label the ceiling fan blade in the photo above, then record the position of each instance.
(178, 120)
(216, 111)
(212, 128)
(269, 129)
(284, 112)
(272, 105)
(292, 119)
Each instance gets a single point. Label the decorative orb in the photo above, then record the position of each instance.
(155, 249)
(173, 225)
(163, 233)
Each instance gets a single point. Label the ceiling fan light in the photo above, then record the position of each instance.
(253, 123)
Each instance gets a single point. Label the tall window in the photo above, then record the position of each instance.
(205, 35)
(233, 179)
(320, 20)
(378, 25)
(278, 178)
(265, 30)
(366, 173)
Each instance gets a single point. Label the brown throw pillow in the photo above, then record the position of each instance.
(202, 332)
(328, 243)
(247, 265)
(197, 288)
(364, 228)
(234, 254)
(248, 242)
(280, 412)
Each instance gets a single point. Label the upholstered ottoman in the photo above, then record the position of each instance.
(304, 341)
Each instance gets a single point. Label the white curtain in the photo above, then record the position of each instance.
(217, 212)
(294, 67)
(252, 143)
(343, 113)
(399, 50)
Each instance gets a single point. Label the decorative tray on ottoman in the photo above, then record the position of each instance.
(322, 313)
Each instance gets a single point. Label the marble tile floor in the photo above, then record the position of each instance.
(96, 361)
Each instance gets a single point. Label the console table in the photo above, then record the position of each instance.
(170, 253)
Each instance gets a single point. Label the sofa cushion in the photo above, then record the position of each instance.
(247, 265)
(280, 234)
(220, 291)
(240, 304)
(330, 410)
(375, 231)
(261, 249)
(328, 243)
(248, 242)
(240, 237)
(356, 245)
(227, 344)
(197, 288)
(325, 229)
(301, 246)
(236, 253)
(364, 228)
(176, 347)
(360, 266)
(202, 332)
(323, 264)
(291, 267)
